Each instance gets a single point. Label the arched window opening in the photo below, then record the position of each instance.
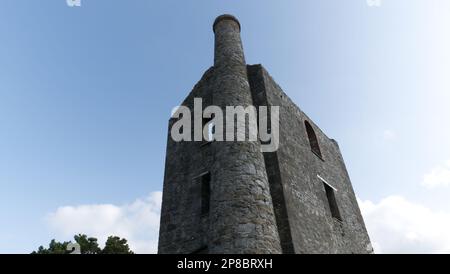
(313, 142)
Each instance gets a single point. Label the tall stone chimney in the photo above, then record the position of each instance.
(242, 219)
(228, 48)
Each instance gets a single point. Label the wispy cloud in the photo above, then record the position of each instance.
(439, 176)
(396, 225)
(138, 222)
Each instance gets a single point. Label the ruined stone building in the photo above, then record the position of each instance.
(229, 197)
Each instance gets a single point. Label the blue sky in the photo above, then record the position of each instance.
(85, 94)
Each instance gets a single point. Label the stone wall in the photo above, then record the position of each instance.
(257, 202)
(313, 230)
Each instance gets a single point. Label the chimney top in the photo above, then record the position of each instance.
(225, 17)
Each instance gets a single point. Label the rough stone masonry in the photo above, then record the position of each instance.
(229, 197)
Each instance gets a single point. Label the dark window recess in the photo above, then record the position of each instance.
(313, 142)
(332, 202)
(206, 190)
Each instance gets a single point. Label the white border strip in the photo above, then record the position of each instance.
(323, 180)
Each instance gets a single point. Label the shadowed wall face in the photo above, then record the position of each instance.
(310, 217)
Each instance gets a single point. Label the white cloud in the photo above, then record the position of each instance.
(396, 225)
(389, 135)
(438, 176)
(138, 222)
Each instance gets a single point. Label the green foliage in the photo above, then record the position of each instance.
(88, 245)
(53, 248)
(116, 245)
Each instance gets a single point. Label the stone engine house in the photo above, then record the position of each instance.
(229, 197)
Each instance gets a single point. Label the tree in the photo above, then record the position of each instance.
(116, 245)
(53, 248)
(88, 245)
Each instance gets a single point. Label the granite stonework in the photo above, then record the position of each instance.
(256, 202)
